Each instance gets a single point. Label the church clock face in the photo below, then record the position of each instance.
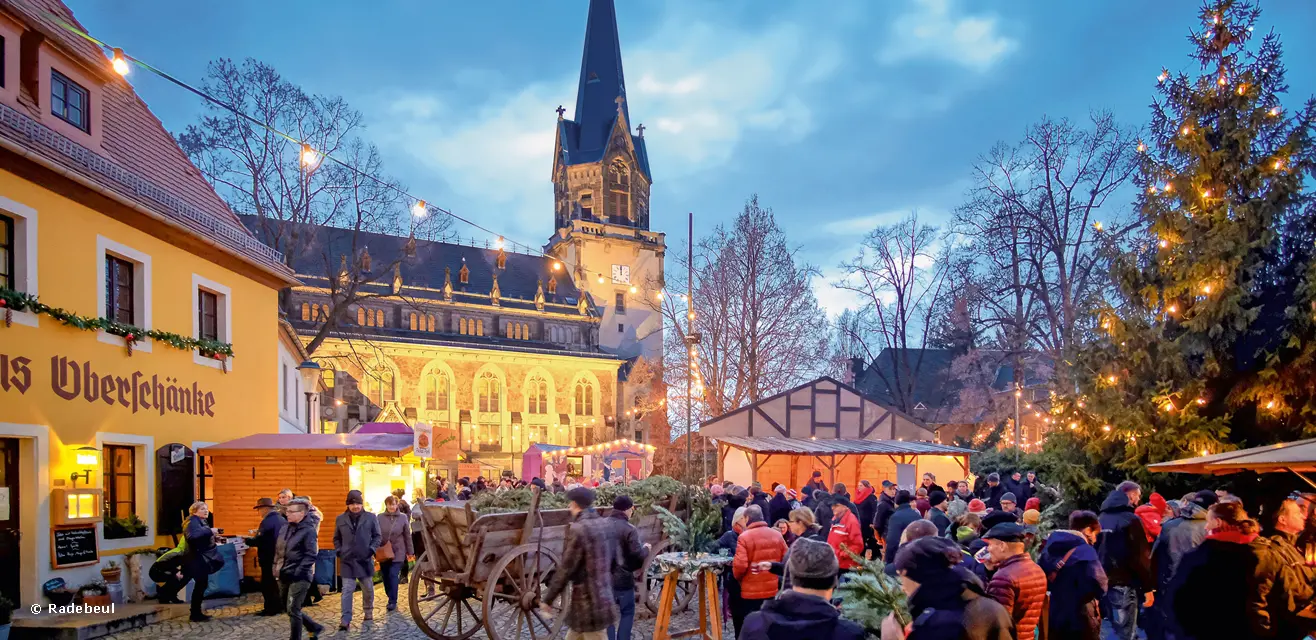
(621, 274)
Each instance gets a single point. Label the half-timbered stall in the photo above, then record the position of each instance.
(830, 427)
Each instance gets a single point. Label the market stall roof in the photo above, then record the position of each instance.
(1298, 456)
(772, 444)
(542, 446)
(384, 427)
(365, 444)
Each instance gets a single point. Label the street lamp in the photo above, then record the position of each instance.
(87, 458)
(310, 371)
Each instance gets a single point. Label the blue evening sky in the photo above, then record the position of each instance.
(840, 114)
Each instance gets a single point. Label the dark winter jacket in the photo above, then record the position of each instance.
(902, 517)
(630, 553)
(886, 505)
(201, 553)
(1020, 586)
(295, 552)
(167, 566)
(954, 606)
(1019, 488)
(939, 518)
(355, 542)
(588, 555)
(1211, 589)
(822, 511)
(1076, 586)
(867, 513)
(1123, 547)
(933, 487)
(760, 500)
(1282, 587)
(799, 616)
(267, 535)
(1179, 535)
(728, 541)
(729, 510)
(779, 508)
(991, 496)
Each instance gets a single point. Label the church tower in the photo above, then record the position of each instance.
(601, 185)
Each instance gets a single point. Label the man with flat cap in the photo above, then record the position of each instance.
(267, 536)
(1018, 584)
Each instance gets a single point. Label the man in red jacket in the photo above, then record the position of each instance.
(1018, 584)
(845, 535)
(758, 543)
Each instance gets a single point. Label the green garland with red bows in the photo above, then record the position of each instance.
(11, 301)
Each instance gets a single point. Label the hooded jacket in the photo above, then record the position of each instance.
(799, 616)
(902, 517)
(1179, 535)
(630, 553)
(1076, 586)
(779, 508)
(1124, 549)
(886, 505)
(1151, 520)
(846, 532)
(956, 607)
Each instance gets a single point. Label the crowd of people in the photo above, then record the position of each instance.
(970, 560)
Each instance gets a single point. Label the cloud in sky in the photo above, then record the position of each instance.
(699, 85)
(942, 30)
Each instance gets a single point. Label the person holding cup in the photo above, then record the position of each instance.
(758, 544)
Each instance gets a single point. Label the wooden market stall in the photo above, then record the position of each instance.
(322, 466)
(1298, 458)
(828, 426)
(605, 460)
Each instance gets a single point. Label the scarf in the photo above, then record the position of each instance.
(862, 493)
(1227, 533)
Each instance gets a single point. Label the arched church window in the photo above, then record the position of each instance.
(584, 398)
(489, 389)
(436, 391)
(537, 396)
(619, 179)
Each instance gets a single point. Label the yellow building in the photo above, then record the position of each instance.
(102, 216)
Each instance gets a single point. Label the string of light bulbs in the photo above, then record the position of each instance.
(310, 157)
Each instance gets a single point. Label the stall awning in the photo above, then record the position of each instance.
(767, 444)
(1299, 456)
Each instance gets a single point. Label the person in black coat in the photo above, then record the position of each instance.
(902, 517)
(1125, 554)
(294, 560)
(822, 509)
(946, 600)
(758, 498)
(937, 513)
(267, 536)
(167, 573)
(200, 557)
(991, 493)
(779, 508)
(867, 505)
(1075, 578)
(356, 537)
(886, 504)
(735, 499)
(1213, 584)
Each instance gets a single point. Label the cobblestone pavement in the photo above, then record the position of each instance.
(237, 620)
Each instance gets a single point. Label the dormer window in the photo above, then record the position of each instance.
(69, 101)
(464, 276)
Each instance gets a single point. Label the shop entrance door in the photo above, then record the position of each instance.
(10, 553)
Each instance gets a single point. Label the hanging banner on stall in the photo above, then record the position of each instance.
(423, 444)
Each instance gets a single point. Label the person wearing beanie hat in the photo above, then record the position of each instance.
(1009, 504)
(994, 518)
(937, 508)
(1032, 517)
(356, 537)
(588, 557)
(1033, 503)
(1126, 556)
(805, 610)
(945, 600)
(630, 555)
(900, 518)
(977, 507)
(1018, 584)
(991, 494)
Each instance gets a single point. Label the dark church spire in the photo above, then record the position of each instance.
(601, 78)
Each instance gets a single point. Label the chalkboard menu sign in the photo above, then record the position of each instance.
(73, 546)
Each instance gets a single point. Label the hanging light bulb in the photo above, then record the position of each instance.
(659, 295)
(1168, 187)
(419, 209)
(1164, 75)
(1206, 193)
(1172, 309)
(1222, 81)
(1111, 379)
(120, 63)
(1169, 406)
(1206, 452)
(499, 242)
(1242, 88)
(1073, 425)
(1279, 164)
(1206, 288)
(1105, 427)
(1270, 404)
(1201, 401)
(1164, 243)
(1186, 129)
(600, 278)
(1274, 111)
(309, 156)
(1151, 189)
(1097, 225)
(690, 315)
(634, 289)
(1142, 146)
(557, 266)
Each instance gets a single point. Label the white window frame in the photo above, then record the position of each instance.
(224, 321)
(25, 260)
(141, 289)
(144, 468)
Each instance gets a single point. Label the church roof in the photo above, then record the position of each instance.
(585, 138)
(518, 281)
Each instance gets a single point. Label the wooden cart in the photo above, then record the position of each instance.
(488, 572)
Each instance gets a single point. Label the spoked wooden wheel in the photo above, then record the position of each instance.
(513, 593)
(443, 609)
(651, 582)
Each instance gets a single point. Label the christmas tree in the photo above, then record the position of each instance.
(1209, 342)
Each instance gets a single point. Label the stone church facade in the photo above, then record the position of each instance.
(505, 349)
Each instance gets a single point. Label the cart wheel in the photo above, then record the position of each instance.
(651, 584)
(443, 609)
(512, 595)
